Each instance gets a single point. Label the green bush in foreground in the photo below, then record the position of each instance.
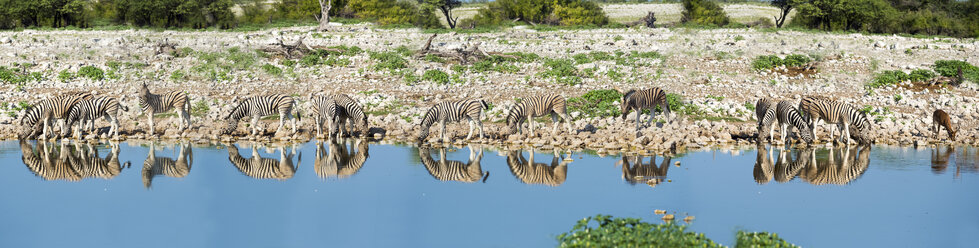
(562, 70)
(633, 232)
(893, 77)
(596, 103)
(91, 72)
(950, 68)
(437, 76)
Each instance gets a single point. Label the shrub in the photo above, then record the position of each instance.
(761, 239)
(434, 58)
(796, 60)
(272, 69)
(437, 76)
(596, 103)
(65, 75)
(886, 78)
(560, 12)
(388, 12)
(177, 75)
(921, 75)
(950, 68)
(91, 72)
(562, 70)
(766, 62)
(14, 76)
(176, 13)
(389, 60)
(608, 231)
(703, 12)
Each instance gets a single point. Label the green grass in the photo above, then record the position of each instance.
(437, 76)
(764, 62)
(562, 71)
(390, 60)
(596, 103)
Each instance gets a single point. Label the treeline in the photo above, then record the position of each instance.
(931, 17)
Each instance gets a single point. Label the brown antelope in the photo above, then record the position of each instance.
(940, 119)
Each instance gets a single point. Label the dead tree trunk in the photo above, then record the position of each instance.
(325, 6)
(447, 12)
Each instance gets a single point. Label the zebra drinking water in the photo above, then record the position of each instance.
(87, 111)
(765, 113)
(789, 118)
(644, 99)
(453, 111)
(539, 105)
(822, 109)
(350, 111)
(325, 111)
(38, 117)
(259, 106)
(153, 104)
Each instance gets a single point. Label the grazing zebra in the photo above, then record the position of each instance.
(154, 104)
(852, 167)
(340, 162)
(764, 168)
(537, 173)
(95, 166)
(644, 99)
(259, 106)
(539, 105)
(940, 119)
(833, 112)
(154, 165)
(453, 111)
(90, 110)
(53, 163)
(788, 117)
(325, 110)
(350, 112)
(264, 168)
(786, 168)
(765, 113)
(638, 172)
(451, 170)
(40, 115)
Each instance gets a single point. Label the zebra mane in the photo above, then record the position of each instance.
(628, 94)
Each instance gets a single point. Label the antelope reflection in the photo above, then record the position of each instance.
(851, 163)
(635, 171)
(939, 159)
(451, 170)
(340, 162)
(69, 163)
(537, 173)
(264, 168)
(154, 165)
(964, 160)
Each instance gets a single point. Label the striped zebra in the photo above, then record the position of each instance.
(787, 168)
(635, 171)
(264, 168)
(178, 168)
(854, 163)
(97, 167)
(454, 111)
(155, 104)
(764, 168)
(822, 109)
(537, 173)
(788, 117)
(765, 113)
(87, 111)
(340, 162)
(350, 112)
(644, 99)
(38, 117)
(325, 111)
(536, 106)
(259, 106)
(451, 170)
(52, 163)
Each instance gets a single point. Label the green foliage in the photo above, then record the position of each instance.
(388, 60)
(178, 75)
(524, 57)
(333, 58)
(91, 72)
(704, 12)
(18, 76)
(434, 58)
(65, 75)
(886, 78)
(437, 76)
(952, 18)
(562, 70)
(761, 239)
(387, 12)
(272, 69)
(596, 103)
(677, 105)
(796, 60)
(921, 75)
(199, 108)
(950, 68)
(771, 61)
(630, 232)
(46, 13)
(553, 12)
(175, 13)
(307, 10)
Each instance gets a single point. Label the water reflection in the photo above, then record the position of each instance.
(178, 168)
(940, 158)
(264, 168)
(452, 170)
(92, 165)
(537, 173)
(851, 163)
(70, 162)
(340, 162)
(635, 171)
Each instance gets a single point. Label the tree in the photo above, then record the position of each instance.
(325, 6)
(446, 7)
(785, 6)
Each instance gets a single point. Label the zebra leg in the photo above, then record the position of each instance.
(282, 117)
(532, 123)
(479, 123)
(443, 131)
(567, 122)
(149, 116)
(471, 127)
(254, 125)
(554, 121)
(293, 120)
(652, 114)
(845, 133)
(784, 127)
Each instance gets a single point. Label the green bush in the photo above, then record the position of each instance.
(434, 58)
(596, 103)
(761, 239)
(272, 69)
(562, 70)
(388, 60)
(796, 60)
(950, 68)
(437, 76)
(15, 76)
(329, 58)
(886, 78)
(56, 14)
(65, 75)
(952, 18)
(608, 231)
(766, 62)
(91, 72)
(178, 75)
(556, 12)
(176, 13)
(387, 12)
(921, 75)
(703, 12)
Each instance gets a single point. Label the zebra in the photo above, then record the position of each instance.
(154, 104)
(648, 173)
(90, 110)
(340, 162)
(95, 166)
(453, 111)
(537, 173)
(350, 112)
(179, 168)
(325, 109)
(40, 115)
(788, 117)
(264, 168)
(764, 168)
(53, 163)
(259, 106)
(451, 170)
(539, 105)
(644, 99)
(765, 113)
(822, 109)
(854, 164)
(787, 169)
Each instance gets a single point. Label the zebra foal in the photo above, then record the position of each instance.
(87, 111)
(788, 117)
(644, 99)
(259, 106)
(158, 103)
(454, 111)
(539, 105)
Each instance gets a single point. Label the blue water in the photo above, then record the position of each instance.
(892, 197)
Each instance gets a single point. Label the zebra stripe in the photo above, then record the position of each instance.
(635, 171)
(822, 109)
(263, 168)
(154, 165)
(764, 168)
(765, 113)
(340, 162)
(787, 169)
(537, 173)
(154, 104)
(259, 106)
(539, 105)
(350, 111)
(40, 115)
(325, 110)
(644, 99)
(451, 170)
(53, 163)
(97, 167)
(854, 164)
(788, 117)
(454, 111)
(90, 110)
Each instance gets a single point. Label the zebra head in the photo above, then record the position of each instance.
(624, 103)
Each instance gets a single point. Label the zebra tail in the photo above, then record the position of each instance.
(485, 176)
(123, 107)
(485, 105)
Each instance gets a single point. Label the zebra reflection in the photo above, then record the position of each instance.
(635, 171)
(264, 168)
(154, 165)
(787, 167)
(51, 163)
(537, 173)
(92, 165)
(451, 170)
(764, 168)
(850, 165)
(340, 162)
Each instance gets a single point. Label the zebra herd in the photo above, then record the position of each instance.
(811, 111)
